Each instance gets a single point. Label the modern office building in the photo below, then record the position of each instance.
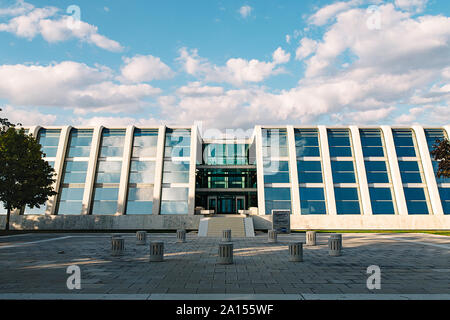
(169, 177)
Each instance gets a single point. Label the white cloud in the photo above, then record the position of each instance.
(236, 71)
(70, 85)
(195, 89)
(20, 7)
(27, 117)
(145, 68)
(245, 11)
(117, 121)
(288, 39)
(411, 5)
(325, 14)
(54, 27)
(306, 48)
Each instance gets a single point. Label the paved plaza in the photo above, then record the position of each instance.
(411, 264)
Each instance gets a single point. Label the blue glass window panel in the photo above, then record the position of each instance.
(313, 207)
(74, 177)
(176, 177)
(70, 201)
(347, 207)
(369, 141)
(339, 143)
(274, 136)
(405, 151)
(376, 172)
(178, 138)
(404, 143)
(414, 194)
(112, 143)
(309, 171)
(346, 193)
(174, 194)
(80, 143)
(416, 201)
(382, 207)
(276, 177)
(49, 140)
(142, 172)
(432, 135)
(380, 194)
(177, 152)
(340, 151)
(409, 171)
(69, 207)
(109, 171)
(312, 194)
(277, 205)
(76, 166)
(408, 166)
(140, 194)
(139, 207)
(308, 151)
(411, 177)
(104, 207)
(417, 207)
(145, 142)
(373, 151)
(106, 193)
(35, 210)
(174, 207)
(445, 198)
(277, 193)
(343, 172)
(170, 166)
(303, 141)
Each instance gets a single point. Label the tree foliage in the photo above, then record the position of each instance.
(25, 178)
(441, 153)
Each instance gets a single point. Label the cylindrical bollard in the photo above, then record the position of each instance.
(181, 236)
(225, 253)
(226, 236)
(335, 245)
(156, 251)
(141, 237)
(117, 245)
(310, 238)
(296, 251)
(272, 236)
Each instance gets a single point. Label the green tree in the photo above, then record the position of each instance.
(25, 178)
(441, 153)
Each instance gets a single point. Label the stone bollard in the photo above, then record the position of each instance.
(117, 245)
(181, 236)
(310, 238)
(141, 237)
(225, 253)
(296, 251)
(156, 251)
(226, 236)
(272, 236)
(335, 245)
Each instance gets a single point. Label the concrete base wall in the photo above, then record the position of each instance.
(163, 222)
(326, 222)
(88, 222)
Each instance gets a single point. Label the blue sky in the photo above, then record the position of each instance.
(225, 63)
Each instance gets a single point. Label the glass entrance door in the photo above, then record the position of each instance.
(226, 205)
(240, 203)
(212, 203)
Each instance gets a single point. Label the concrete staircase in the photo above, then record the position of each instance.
(235, 224)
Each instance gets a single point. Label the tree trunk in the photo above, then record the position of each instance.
(8, 214)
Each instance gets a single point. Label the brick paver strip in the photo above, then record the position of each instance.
(413, 266)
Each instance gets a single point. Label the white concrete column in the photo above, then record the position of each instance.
(293, 175)
(428, 171)
(34, 131)
(159, 170)
(125, 171)
(90, 175)
(447, 128)
(192, 169)
(361, 171)
(260, 171)
(394, 170)
(58, 167)
(326, 162)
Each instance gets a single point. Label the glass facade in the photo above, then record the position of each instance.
(310, 172)
(142, 172)
(74, 172)
(226, 181)
(109, 168)
(411, 171)
(49, 140)
(175, 188)
(225, 153)
(378, 176)
(432, 135)
(343, 170)
(277, 193)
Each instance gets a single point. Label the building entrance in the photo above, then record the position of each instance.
(226, 204)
